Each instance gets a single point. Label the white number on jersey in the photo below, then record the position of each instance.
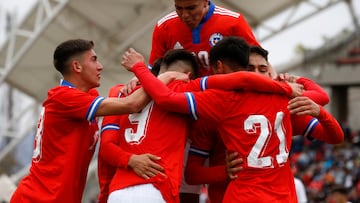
(203, 57)
(259, 122)
(141, 120)
(38, 137)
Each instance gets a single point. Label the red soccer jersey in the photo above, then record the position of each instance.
(110, 128)
(154, 131)
(261, 134)
(64, 145)
(171, 33)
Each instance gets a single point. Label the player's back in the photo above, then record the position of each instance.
(258, 127)
(159, 132)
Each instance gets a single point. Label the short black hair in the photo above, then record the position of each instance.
(259, 50)
(339, 189)
(69, 49)
(155, 69)
(233, 51)
(175, 55)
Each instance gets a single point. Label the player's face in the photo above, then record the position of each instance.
(191, 12)
(258, 64)
(90, 69)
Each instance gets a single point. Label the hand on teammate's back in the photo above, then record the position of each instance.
(233, 164)
(297, 89)
(145, 166)
(287, 77)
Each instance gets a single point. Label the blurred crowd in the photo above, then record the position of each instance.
(324, 168)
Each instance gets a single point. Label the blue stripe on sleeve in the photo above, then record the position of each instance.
(110, 126)
(310, 128)
(192, 105)
(203, 83)
(199, 152)
(90, 115)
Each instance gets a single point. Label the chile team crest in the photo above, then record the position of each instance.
(214, 38)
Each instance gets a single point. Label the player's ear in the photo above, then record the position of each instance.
(219, 68)
(206, 3)
(76, 66)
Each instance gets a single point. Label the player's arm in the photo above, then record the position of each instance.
(132, 103)
(311, 89)
(244, 30)
(314, 122)
(248, 81)
(314, 91)
(197, 173)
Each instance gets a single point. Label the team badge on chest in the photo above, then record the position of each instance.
(214, 38)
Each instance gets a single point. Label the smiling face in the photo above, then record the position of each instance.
(191, 12)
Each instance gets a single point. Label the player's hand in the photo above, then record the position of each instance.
(130, 86)
(145, 166)
(169, 76)
(297, 89)
(130, 58)
(287, 77)
(233, 164)
(303, 106)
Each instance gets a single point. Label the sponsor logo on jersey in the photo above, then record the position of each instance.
(214, 38)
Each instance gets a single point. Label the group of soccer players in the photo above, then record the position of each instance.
(146, 127)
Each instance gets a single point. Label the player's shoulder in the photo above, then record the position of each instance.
(64, 91)
(226, 12)
(167, 18)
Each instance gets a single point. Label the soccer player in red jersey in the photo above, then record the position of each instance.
(143, 164)
(67, 130)
(139, 133)
(196, 25)
(151, 131)
(208, 145)
(261, 134)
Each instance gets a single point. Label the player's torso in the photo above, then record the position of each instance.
(201, 39)
(63, 149)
